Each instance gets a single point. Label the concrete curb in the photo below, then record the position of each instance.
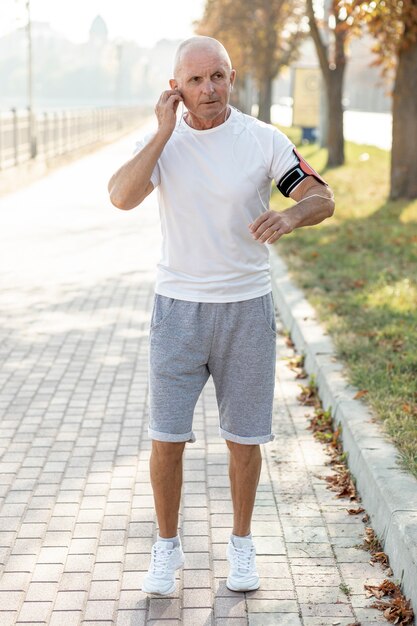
(389, 494)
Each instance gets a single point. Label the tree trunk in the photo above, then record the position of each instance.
(265, 100)
(333, 78)
(404, 126)
(335, 137)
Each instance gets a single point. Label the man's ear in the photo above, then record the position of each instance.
(232, 77)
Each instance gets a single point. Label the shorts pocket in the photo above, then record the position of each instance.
(162, 309)
(268, 312)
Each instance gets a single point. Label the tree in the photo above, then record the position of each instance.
(262, 36)
(218, 22)
(330, 36)
(394, 25)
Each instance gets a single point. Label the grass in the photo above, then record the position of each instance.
(359, 270)
(345, 589)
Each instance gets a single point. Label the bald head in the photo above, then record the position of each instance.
(199, 43)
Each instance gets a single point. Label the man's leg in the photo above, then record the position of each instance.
(166, 479)
(244, 470)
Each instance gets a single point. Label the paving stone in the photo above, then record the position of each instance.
(320, 621)
(230, 607)
(274, 619)
(132, 618)
(99, 610)
(11, 600)
(69, 618)
(47, 572)
(164, 608)
(320, 594)
(14, 581)
(46, 591)
(328, 610)
(271, 606)
(74, 581)
(8, 618)
(191, 617)
(132, 599)
(69, 600)
(197, 579)
(34, 611)
(197, 598)
(231, 621)
(370, 616)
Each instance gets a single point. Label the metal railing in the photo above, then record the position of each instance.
(24, 136)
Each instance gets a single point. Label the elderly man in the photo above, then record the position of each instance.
(213, 310)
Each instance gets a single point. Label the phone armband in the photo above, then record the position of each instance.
(296, 174)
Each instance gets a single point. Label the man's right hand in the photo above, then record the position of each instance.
(131, 183)
(166, 110)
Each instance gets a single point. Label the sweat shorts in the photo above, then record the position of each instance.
(235, 343)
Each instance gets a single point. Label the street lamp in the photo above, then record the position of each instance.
(31, 119)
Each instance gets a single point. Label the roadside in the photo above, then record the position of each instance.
(14, 178)
(358, 271)
(361, 127)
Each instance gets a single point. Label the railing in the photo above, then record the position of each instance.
(55, 133)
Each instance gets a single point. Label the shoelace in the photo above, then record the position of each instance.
(160, 560)
(244, 558)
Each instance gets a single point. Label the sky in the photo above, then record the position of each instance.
(144, 21)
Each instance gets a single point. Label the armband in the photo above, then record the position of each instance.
(296, 174)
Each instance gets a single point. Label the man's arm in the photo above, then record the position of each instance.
(131, 183)
(315, 202)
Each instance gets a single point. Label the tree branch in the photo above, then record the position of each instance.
(321, 48)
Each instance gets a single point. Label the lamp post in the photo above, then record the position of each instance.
(118, 80)
(31, 119)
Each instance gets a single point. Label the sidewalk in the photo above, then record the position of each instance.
(76, 516)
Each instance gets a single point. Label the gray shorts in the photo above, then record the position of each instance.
(235, 342)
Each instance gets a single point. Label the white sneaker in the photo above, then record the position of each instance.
(241, 556)
(165, 559)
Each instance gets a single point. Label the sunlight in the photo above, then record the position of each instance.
(400, 296)
(409, 214)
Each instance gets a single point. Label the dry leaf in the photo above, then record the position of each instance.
(397, 611)
(355, 511)
(360, 394)
(289, 342)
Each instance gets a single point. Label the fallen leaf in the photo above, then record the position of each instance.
(397, 345)
(355, 511)
(360, 394)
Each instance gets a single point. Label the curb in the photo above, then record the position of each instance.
(389, 493)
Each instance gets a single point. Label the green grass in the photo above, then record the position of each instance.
(359, 270)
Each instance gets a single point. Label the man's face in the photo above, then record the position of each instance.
(204, 79)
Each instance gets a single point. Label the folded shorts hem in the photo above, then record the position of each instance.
(171, 437)
(247, 440)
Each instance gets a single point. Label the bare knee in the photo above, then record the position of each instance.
(168, 451)
(244, 452)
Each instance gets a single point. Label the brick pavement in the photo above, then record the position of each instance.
(76, 516)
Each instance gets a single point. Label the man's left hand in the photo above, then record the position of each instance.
(270, 226)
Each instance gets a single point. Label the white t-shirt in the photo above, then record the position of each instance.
(210, 184)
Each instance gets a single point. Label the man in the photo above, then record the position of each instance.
(213, 309)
